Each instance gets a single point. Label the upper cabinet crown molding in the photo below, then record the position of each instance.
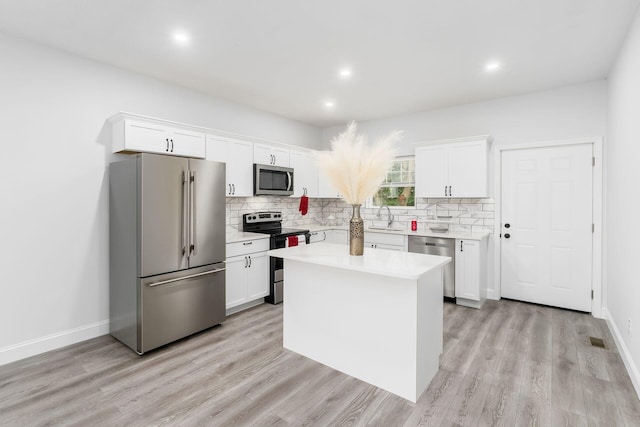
(118, 118)
(487, 138)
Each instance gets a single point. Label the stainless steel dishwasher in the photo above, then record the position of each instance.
(438, 246)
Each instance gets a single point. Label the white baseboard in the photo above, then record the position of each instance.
(51, 342)
(632, 369)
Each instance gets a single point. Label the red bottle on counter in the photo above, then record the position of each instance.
(414, 225)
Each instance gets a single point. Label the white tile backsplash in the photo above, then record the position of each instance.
(476, 215)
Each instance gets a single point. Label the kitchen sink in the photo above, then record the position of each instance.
(386, 228)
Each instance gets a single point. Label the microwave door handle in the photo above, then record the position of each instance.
(289, 181)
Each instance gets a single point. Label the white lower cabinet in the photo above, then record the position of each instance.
(394, 242)
(247, 280)
(471, 272)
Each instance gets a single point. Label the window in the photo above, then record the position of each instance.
(398, 189)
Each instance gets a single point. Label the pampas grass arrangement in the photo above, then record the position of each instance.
(355, 169)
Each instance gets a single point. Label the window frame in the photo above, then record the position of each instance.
(371, 202)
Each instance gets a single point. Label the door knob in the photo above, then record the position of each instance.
(506, 236)
(507, 225)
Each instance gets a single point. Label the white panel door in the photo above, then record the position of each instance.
(305, 174)
(236, 280)
(239, 168)
(258, 276)
(546, 245)
(468, 170)
(432, 171)
(467, 269)
(146, 137)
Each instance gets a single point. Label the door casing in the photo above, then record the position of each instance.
(598, 290)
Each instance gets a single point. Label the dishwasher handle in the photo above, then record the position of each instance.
(436, 245)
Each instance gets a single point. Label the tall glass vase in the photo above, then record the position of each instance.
(356, 232)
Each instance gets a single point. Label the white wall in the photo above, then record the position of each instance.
(53, 183)
(623, 201)
(561, 114)
(565, 113)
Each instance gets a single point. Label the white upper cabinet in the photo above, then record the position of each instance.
(305, 174)
(238, 156)
(133, 135)
(457, 168)
(270, 155)
(326, 190)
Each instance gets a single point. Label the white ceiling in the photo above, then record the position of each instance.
(283, 56)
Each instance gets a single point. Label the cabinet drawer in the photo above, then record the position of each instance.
(384, 239)
(247, 247)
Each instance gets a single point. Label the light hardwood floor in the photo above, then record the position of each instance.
(508, 364)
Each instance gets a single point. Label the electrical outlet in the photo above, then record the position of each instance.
(629, 327)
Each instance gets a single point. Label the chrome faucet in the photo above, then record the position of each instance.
(389, 216)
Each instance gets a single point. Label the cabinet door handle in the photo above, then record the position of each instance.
(461, 250)
(449, 191)
(172, 145)
(247, 243)
(234, 189)
(229, 188)
(249, 261)
(167, 149)
(445, 191)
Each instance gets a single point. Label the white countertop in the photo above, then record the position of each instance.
(242, 236)
(383, 262)
(421, 233)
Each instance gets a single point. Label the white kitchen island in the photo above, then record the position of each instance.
(376, 317)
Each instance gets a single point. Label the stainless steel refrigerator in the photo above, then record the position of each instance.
(167, 248)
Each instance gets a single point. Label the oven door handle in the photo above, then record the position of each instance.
(289, 181)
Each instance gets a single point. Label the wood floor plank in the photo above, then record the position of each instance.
(562, 418)
(510, 363)
(334, 404)
(435, 401)
(628, 401)
(532, 412)
(467, 406)
(590, 359)
(600, 402)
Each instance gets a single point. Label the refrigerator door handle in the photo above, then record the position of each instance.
(192, 213)
(177, 279)
(185, 213)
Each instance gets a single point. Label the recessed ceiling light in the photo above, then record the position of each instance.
(493, 66)
(344, 73)
(180, 37)
(329, 104)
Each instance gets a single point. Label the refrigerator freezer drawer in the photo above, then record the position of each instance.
(174, 306)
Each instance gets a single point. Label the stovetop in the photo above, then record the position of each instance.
(268, 223)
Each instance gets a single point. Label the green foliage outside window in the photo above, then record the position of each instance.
(398, 188)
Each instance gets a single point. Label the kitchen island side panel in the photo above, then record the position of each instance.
(365, 325)
(123, 252)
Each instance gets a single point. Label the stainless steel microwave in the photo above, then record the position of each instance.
(269, 180)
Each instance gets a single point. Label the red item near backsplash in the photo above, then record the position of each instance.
(304, 205)
(293, 241)
(414, 225)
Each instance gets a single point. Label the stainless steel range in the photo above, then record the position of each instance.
(271, 223)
